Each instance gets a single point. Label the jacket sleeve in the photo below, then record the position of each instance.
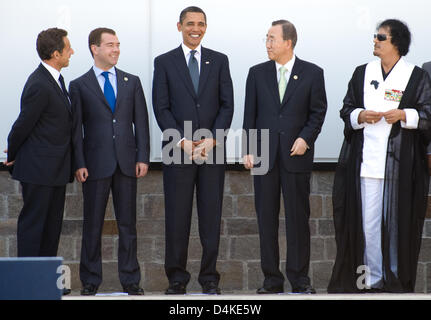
(142, 132)
(316, 111)
(34, 100)
(77, 136)
(161, 105)
(250, 112)
(225, 114)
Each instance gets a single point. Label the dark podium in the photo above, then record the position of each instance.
(38, 278)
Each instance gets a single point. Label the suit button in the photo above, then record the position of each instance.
(113, 137)
(281, 116)
(114, 121)
(198, 105)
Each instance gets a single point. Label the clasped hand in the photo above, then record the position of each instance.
(391, 116)
(198, 150)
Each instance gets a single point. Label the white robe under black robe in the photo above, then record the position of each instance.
(406, 183)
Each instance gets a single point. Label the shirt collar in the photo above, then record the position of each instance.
(54, 72)
(187, 50)
(288, 65)
(99, 71)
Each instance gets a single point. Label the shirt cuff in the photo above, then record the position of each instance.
(354, 119)
(179, 142)
(412, 119)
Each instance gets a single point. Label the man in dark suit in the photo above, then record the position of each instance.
(192, 90)
(285, 97)
(39, 147)
(111, 146)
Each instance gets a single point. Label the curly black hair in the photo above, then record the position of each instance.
(400, 34)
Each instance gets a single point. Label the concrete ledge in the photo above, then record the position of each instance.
(248, 297)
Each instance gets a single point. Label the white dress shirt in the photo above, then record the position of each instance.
(54, 73)
(198, 54)
(288, 66)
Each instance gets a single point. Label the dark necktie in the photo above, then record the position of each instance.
(108, 91)
(194, 70)
(63, 86)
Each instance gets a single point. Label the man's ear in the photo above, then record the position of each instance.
(289, 44)
(55, 54)
(93, 49)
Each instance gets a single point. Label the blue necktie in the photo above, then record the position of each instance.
(194, 70)
(109, 91)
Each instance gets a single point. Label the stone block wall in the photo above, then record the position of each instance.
(238, 264)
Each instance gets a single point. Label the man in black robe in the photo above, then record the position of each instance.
(403, 198)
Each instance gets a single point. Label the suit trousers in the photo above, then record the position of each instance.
(40, 220)
(96, 194)
(372, 208)
(295, 190)
(179, 182)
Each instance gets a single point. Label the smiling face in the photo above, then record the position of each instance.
(107, 53)
(193, 29)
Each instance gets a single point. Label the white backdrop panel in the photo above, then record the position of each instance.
(335, 34)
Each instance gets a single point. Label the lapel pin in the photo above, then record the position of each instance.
(126, 79)
(295, 77)
(207, 62)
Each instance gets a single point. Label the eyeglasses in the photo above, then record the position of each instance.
(381, 37)
(271, 41)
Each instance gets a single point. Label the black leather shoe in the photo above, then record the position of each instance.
(176, 288)
(66, 291)
(88, 290)
(133, 290)
(270, 290)
(210, 287)
(307, 289)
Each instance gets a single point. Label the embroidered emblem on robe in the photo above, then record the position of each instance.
(393, 95)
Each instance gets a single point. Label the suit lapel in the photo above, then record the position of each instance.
(271, 78)
(56, 87)
(294, 79)
(183, 70)
(206, 64)
(122, 81)
(92, 83)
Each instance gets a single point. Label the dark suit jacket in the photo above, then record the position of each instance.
(175, 100)
(300, 114)
(40, 139)
(102, 139)
(427, 67)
